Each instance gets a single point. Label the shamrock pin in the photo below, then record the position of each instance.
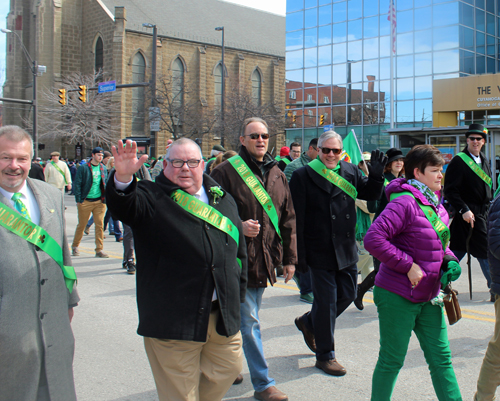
(269, 207)
(41, 238)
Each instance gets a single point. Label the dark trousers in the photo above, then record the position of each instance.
(305, 282)
(334, 291)
(128, 243)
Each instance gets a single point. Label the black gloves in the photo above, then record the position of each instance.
(377, 163)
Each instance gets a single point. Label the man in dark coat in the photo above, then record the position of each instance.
(489, 376)
(467, 187)
(268, 245)
(36, 171)
(189, 281)
(324, 194)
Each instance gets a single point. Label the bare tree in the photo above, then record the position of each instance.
(181, 111)
(240, 105)
(89, 123)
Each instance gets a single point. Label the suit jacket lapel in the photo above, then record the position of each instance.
(42, 201)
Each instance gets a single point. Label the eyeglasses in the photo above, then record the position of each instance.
(256, 136)
(475, 138)
(327, 151)
(178, 163)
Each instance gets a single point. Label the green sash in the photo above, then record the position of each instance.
(26, 229)
(386, 182)
(257, 189)
(441, 229)
(206, 213)
(286, 161)
(474, 167)
(334, 178)
(59, 169)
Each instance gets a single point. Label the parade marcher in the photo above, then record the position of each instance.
(265, 206)
(295, 150)
(90, 199)
(57, 173)
(37, 293)
(393, 170)
(324, 194)
(303, 280)
(410, 238)
(193, 346)
(36, 171)
(284, 151)
(489, 376)
(467, 188)
(216, 150)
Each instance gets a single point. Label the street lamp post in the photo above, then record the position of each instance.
(221, 28)
(152, 133)
(34, 72)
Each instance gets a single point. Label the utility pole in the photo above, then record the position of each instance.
(221, 28)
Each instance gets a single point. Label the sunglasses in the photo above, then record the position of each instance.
(256, 136)
(327, 151)
(475, 138)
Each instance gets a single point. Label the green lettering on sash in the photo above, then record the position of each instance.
(36, 235)
(442, 230)
(208, 214)
(336, 179)
(474, 167)
(257, 189)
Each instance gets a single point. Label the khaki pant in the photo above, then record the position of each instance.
(489, 376)
(85, 209)
(195, 371)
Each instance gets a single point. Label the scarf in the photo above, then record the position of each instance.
(425, 190)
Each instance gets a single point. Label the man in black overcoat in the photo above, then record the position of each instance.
(189, 281)
(470, 196)
(326, 240)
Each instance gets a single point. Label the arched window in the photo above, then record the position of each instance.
(177, 83)
(99, 57)
(218, 84)
(256, 88)
(138, 75)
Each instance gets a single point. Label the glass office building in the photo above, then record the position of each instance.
(338, 62)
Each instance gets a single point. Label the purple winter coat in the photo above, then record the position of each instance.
(401, 236)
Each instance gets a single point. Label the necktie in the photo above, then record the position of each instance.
(20, 206)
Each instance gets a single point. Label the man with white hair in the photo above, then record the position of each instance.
(191, 279)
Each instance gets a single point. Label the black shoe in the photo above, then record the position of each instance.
(124, 264)
(130, 267)
(239, 379)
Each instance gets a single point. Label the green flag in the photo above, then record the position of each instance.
(351, 152)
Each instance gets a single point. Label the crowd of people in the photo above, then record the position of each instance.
(229, 227)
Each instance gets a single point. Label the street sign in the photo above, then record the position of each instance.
(330, 127)
(104, 87)
(154, 119)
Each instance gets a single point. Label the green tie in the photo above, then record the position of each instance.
(20, 206)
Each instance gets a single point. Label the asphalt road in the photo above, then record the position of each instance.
(111, 364)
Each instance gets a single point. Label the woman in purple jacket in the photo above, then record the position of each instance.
(416, 262)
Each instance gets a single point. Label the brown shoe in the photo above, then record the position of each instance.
(239, 379)
(331, 367)
(308, 336)
(75, 252)
(270, 394)
(101, 254)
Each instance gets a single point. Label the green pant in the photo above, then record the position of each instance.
(398, 317)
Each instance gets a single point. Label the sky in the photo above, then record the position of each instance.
(273, 6)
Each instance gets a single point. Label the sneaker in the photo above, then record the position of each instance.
(124, 264)
(307, 298)
(101, 254)
(297, 281)
(87, 230)
(130, 267)
(75, 252)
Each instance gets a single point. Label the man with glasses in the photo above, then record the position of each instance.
(264, 202)
(295, 149)
(324, 194)
(191, 279)
(467, 187)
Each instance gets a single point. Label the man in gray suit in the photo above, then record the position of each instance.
(37, 282)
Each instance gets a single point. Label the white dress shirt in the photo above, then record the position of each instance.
(29, 200)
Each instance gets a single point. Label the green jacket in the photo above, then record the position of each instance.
(302, 161)
(83, 182)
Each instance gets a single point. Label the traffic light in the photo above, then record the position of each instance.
(321, 119)
(294, 118)
(83, 93)
(62, 96)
